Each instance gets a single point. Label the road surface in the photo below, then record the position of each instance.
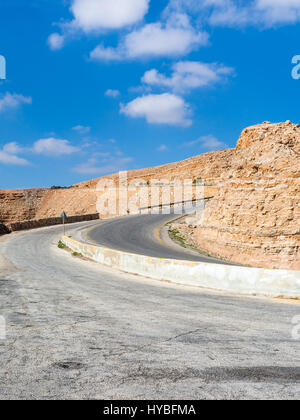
(76, 329)
(140, 234)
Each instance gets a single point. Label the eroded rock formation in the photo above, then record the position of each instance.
(255, 216)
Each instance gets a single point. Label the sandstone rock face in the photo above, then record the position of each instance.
(254, 218)
(19, 204)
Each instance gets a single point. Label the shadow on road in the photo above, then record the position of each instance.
(275, 374)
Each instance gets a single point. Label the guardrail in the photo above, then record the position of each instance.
(179, 203)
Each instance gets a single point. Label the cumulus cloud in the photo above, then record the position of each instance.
(96, 15)
(13, 101)
(207, 143)
(177, 33)
(54, 147)
(172, 38)
(112, 93)
(93, 166)
(188, 75)
(13, 148)
(56, 41)
(8, 155)
(159, 109)
(175, 38)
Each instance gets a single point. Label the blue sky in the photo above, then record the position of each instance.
(97, 86)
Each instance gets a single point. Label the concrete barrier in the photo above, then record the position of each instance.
(243, 280)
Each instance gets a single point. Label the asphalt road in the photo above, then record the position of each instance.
(76, 329)
(141, 234)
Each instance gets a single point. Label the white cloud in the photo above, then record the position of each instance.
(279, 11)
(162, 148)
(101, 53)
(94, 167)
(56, 41)
(96, 15)
(266, 13)
(207, 143)
(159, 109)
(81, 129)
(54, 147)
(112, 93)
(8, 155)
(173, 38)
(177, 33)
(9, 159)
(13, 148)
(188, 75)
(13, 101)
(228, 13)
(48, 147)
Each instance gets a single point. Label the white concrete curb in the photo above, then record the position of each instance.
(243, 280)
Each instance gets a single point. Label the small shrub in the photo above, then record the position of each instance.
(176, 236)
(61, 245)
(197, 181)
(57, 187)
(76, 254)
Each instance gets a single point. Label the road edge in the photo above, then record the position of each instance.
(243, 280)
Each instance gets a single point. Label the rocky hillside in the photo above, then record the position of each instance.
(209, 166)
(255, 216)
(17, 205)
(80, 199)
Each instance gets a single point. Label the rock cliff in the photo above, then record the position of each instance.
(255, 216)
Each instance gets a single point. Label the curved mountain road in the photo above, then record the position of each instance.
(76, 329)
(145, 235)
